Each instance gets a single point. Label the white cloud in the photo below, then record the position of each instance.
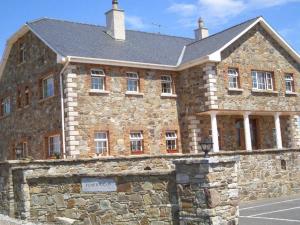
(135, 22)
(219, 11)
(182, 9)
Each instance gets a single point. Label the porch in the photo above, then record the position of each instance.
(245, 130)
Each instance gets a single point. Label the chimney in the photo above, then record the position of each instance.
(115, 22)
(201, 32)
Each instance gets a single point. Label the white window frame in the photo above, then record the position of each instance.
(46, 91)
(288, 78)
(135, 137)
(101, 140)
(233, 78)
(98, 74)
(168, 81)
(24, 150)
(6, 106)
(133, 76)
(172, 137)
(262, 80)
(52, 152)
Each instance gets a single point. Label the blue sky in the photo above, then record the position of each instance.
(176, 17)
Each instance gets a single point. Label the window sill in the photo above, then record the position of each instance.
(165, 95)
(46, 99)
(291, 93)
(95, 91)
(131, 93)
(264, 91)
(172, 151)
(5, 116)
(137, 153)
(236, 89)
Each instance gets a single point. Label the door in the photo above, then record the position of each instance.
(254, 133)
(240, 134)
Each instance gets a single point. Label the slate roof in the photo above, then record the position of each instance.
(91, 41)
(214, 42)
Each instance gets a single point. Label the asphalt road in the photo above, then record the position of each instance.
(280, 211)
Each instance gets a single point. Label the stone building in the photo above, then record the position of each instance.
(78, 90)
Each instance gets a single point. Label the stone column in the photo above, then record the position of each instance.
(294, 131)
(194, 131)
(207, 191)
(247, 132)
(214, 131)
(278, 131)
(71, 118)
(210, 78)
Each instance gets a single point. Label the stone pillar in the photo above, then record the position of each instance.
(207, 191)
(22, 195)
(214, 131)
(278, 131)
(71, 114)
(247, 132)
(194, 131)
(210, 78)
(294, 132)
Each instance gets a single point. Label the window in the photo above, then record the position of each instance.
(101, 143)
(171, 141)
(97, 79)
(21, 150)
(136, 142)
(19, 99)
(27, 100)
(132, 82)
(22, 53)
(262, 80)
(54, 146)
(289, 83)
(6, 106)
(166, 84)
(233, 78)
(48, 87)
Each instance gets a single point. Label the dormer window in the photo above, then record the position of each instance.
(21, 53)
(233, 78)
(97, 80)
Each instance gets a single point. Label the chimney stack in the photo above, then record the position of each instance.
(115, 22)
(202, 31)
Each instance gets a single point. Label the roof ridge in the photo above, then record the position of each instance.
(100, 26)
(67, 21)
(255, 18)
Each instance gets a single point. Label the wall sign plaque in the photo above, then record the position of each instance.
(98, 185)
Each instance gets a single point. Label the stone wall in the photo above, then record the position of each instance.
(118, 113)
(45, 190)
(29, 123)
(257, 50)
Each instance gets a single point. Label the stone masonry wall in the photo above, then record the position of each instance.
(47, 190)
(139, 199)
(29, 123)
(118, 113)
(261, 174)
(257, 50)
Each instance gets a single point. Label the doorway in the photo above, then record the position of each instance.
(240, 133)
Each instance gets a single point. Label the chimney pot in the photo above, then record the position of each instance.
(202, 31)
